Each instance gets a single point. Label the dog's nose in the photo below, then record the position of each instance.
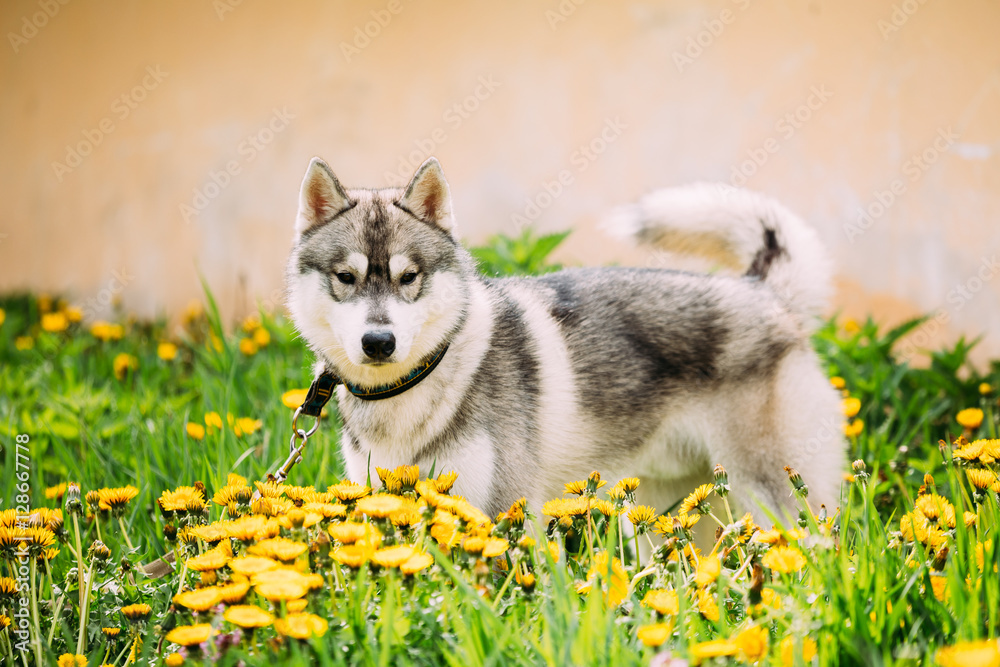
(378, 345)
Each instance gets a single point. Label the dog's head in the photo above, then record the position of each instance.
(376, 277)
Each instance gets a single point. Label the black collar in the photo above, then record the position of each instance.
(322, 387)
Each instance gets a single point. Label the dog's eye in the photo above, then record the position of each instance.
(407, 278)
(346, 278)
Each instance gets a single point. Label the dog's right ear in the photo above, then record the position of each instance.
(321, 198)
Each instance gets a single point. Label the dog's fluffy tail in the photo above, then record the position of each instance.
(744, 230)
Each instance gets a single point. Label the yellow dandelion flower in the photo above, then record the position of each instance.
(347, 491)
(173, 660)
(276, 591)
(416, 563)
(655, 634)
(393, 556)
(614, 579)
(278, 548)
(241, 495)
(697, 500)
(248, 347)
(707, 605)
(854, 428)
(55, 322)
(664, 602)
(200, 599)
(195, 431)
(211, 560)
(642, 516)
(136, 612)
(576, 488)
(850, 406)
(752, 643)
(940, 586)
(3, 316)
(213, 420)
(116, 499)
(495, 546)
(124, 363)
(445, 481)
(380, 506)
(838, 382)
(234, 592)
(715, 648)
(784, 559)
(111, 633)
(73, 314)
(789, 649)
(105, 331)
(294, 398)
(301, 626)
(708, 571)
(352, 555)
(981, 478)
(182, 499)
(984, 653)
(251, 565)
(55, 492)
(936, 508)
(261, 337)
(166, 351)
(348, 533)
(970, 418)
(71, 660)
(565, 507)
(190, 635)
(628, 484)
(246, 426)
(985, 389)
(248, 616)
(296, 606)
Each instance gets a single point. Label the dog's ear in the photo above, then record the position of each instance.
(321, 197)
(428, 197)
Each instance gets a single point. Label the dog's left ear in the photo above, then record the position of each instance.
(428, 197)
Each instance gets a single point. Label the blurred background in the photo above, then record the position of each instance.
(150, 143)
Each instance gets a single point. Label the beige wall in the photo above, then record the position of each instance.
(115, 222)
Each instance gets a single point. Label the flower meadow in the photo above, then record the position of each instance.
(128, 442)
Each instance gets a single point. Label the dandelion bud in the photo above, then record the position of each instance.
(756, 585)
(940, 558)
(721, 480)
(859, 466)
(929, 481)
(593, 481)
(93, 499)
(821, 517)
(795, 478)
(99, 551)
(170, 532)
(73, 505)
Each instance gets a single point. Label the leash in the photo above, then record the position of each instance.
(320, 392)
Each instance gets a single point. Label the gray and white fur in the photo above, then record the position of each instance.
(654, 373)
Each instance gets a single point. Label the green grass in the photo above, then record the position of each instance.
(866, 596)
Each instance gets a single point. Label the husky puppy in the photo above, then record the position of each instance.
(527, 383)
